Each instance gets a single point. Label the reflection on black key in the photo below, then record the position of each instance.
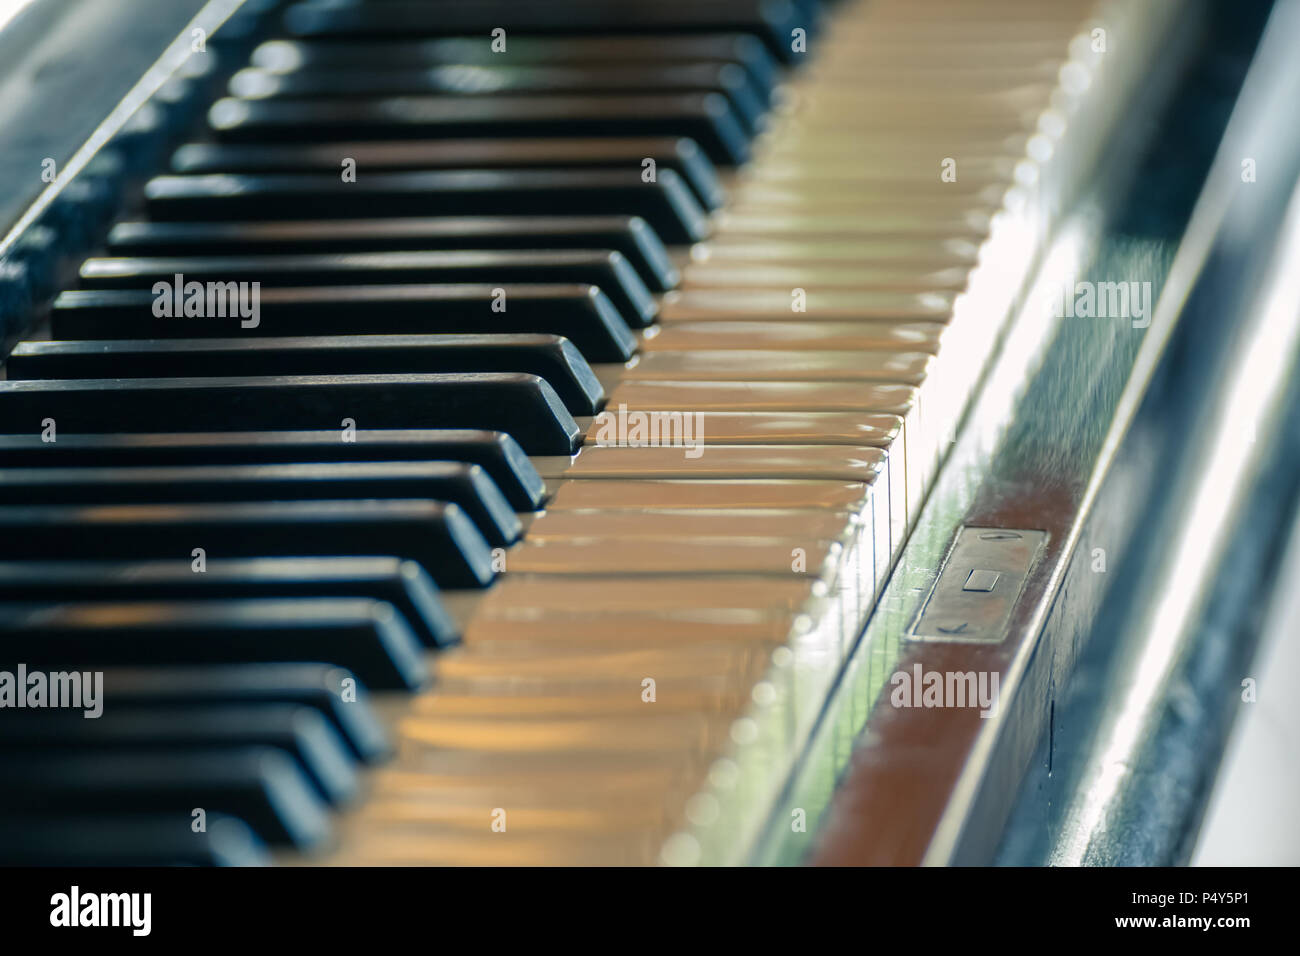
(581, 313)
(467, 486)
(301, 732)
(332, 691)
(680, 154)
(727, 79)
(629, 235)
(707, 118)
(403, 584)
(769, 20)
(604, 268)
(130, 839)
(262, 786)
(495, 452)
(523, 405)
(666, 204)
(551, 357)
(437, 535)
(286, 56)
(368, 637)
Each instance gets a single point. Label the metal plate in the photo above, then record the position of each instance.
(975, 593)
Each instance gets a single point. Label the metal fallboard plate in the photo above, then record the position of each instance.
(977, 589)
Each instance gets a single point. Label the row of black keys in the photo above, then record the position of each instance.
(262, 751)
(220, 715)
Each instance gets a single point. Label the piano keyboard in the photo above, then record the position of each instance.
(597, 363)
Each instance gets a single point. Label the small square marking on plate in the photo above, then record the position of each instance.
(981, 580)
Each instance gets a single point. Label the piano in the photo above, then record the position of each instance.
(606, 432)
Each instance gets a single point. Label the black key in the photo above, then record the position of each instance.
(581, 313)
(437, 535)
(129, 840)
(332, 691)
(523, 405)
(403, 584)
(769, 20)
(495, 452)
(262, 786)
(367, 637)
(728, 79)
(301, 732)
(551, 357)
(666, 204)
(680, 154)
(629, 235)
(467, 486)
(706, 118)
(286, 56)
(604, 268)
